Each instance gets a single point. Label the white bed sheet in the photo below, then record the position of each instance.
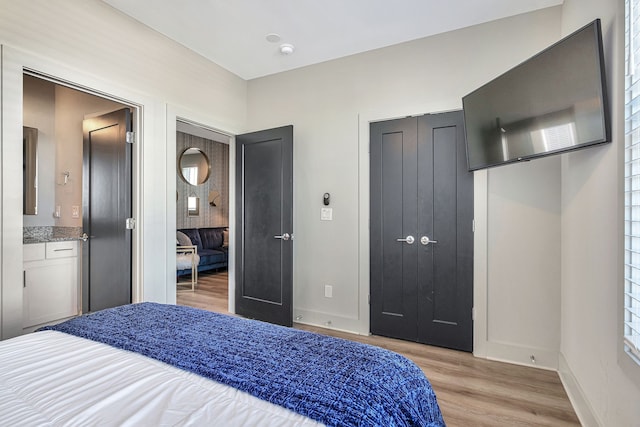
(50, 378)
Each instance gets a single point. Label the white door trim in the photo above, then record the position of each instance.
(176, 113)
(14, 63)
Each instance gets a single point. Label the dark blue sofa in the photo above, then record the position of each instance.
(212, 248)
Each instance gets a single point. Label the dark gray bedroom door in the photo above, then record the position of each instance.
(422, 231)
(264, 227)
(107, 171)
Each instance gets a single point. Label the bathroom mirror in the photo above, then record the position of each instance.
(29, 171)
(194, 166)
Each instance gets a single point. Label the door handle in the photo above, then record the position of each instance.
(425, 240)
(285, 236)
(84, 237)
(409, 240)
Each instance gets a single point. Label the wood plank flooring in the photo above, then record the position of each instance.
(470, 391)
(212, 292)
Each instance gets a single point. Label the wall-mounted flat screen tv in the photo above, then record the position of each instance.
(554, 102)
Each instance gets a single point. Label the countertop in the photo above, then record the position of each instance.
(44, 234)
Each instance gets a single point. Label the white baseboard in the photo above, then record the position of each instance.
(581, 405)
(329, 321)
(519, 355)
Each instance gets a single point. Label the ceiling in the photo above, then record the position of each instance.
(232, 33)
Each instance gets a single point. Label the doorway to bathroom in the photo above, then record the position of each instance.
(79, 172)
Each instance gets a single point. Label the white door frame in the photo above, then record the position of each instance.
(174, 114)
(14, 63)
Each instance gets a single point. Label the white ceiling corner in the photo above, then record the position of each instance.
(232, 33)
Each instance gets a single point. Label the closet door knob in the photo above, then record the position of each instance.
(409, 240)
(425, 240)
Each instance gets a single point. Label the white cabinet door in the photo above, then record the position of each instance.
(50, 290)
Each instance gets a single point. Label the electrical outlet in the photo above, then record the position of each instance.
(328, 291)
(75, 211)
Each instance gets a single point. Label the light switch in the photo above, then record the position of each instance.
(326, 214)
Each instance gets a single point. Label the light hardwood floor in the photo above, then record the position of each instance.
(470, 391)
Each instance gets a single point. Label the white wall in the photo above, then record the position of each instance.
(523, 269)
(601, 380)
(331, 105)
(88, 43)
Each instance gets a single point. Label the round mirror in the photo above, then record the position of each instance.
(194, 166)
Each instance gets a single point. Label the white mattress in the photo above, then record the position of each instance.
(53, 379)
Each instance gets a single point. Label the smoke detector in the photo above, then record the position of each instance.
(287, 49)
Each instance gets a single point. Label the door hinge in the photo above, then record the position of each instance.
(473, 226)
(369, 298)
(131, 137)
(130, 223)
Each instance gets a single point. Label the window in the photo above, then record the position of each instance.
(190, 173)
(632, 180)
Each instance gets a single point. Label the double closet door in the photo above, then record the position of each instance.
(421, 231)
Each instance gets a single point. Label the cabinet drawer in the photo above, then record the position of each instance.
(33, 252)
(62, 249)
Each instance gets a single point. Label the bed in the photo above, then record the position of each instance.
(156, 364)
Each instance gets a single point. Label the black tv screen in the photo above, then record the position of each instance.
(554, 102)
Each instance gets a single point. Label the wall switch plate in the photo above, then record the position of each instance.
(328, 291)
(56, 214)
(75, 211)
(326, 214)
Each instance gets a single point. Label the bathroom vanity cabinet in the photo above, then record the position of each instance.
(50, 282)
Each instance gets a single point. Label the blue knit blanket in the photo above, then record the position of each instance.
(333, 381)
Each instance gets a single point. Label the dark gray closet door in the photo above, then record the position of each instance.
(421, 231)
(264, 227)
(393, 210)
(445, 215)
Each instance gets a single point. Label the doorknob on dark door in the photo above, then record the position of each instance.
(425, 240)
(409, 240)
(285, 236)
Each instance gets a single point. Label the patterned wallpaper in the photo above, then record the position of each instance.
(209, 216)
